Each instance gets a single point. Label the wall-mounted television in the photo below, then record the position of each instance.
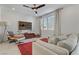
(22, 25)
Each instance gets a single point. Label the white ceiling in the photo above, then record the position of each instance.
(27, 11)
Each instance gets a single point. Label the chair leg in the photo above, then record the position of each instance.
(18, 42)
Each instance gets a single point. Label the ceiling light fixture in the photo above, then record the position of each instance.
(13, 9)
(35, 7)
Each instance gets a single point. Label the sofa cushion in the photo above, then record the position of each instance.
(69, 44)
(56, 39)
(53, 40)
(62, 37)
(37, 49)
(58, 50)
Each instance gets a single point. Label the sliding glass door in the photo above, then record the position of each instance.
(48, 25)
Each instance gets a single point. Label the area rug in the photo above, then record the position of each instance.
(44, 39)
(25, 48)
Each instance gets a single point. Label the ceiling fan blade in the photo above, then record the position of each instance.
(27, 6)
(41, 6)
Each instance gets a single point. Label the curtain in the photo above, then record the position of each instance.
(58, 22)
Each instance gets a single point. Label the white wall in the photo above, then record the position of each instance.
(0, 13)
(70, 19)
(37, 25)
(12, 18)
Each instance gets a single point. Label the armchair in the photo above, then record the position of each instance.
(14, 37)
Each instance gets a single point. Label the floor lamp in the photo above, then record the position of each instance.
(3, 30)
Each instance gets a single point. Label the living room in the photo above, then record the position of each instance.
(51, 20)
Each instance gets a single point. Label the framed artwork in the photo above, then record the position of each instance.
(24, 25)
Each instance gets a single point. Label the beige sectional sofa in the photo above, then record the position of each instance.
(56, 46)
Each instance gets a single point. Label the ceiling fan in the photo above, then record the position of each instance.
(35, 7)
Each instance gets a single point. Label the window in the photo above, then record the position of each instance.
(51, 22)
(45, 24)
(48, 23)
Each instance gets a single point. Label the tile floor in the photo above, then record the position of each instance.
(9, 49)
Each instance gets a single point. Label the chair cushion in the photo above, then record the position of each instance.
(29, 35)
(69, 44)
(10, 33)
(56, 49)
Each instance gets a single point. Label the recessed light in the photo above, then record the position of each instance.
(13, 8)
